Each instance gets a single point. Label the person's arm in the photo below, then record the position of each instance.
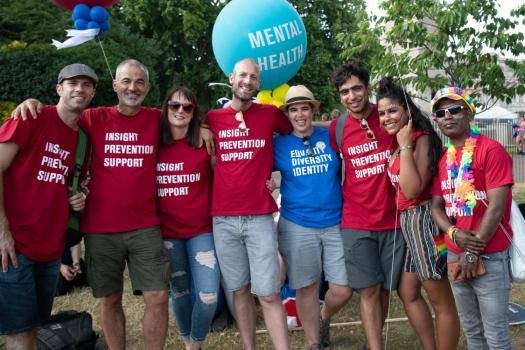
(77, 201)
(8, 152)
(32, 105)
(495, 210)
(414, 173)
(282, 125)
(463, 238)
(75, 257)
(322, 123)
(437, 209)
(207, 138)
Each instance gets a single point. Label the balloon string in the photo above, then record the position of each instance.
(392, 267)
(397, 205)
(105, 57)
(401, 83)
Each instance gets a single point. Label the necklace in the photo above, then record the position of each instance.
(462, 175)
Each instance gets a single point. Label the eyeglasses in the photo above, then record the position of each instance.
(453, 110)
(309, 150)
(369, 133)
(242, 124)
(174, 106)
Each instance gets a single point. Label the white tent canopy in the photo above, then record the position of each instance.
(497, 112)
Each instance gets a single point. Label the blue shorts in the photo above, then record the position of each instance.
(26, 294)
(308, 251)
(246, 247)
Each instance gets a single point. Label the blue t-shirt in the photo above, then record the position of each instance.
(310, 185)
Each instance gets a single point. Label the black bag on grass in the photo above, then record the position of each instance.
(67, 330)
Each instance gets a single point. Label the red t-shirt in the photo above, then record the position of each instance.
(35, 185)
(492, 168)
(368, 198)
(122, 190)
(244, 160)
(184, 190)
(403, 203)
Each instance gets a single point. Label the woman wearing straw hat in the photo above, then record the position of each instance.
(309, 234)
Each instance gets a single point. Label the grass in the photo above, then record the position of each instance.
(518, 193)
(400, 334)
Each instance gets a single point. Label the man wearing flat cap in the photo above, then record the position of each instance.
(471, 201)
(309, 234)
(36, 158)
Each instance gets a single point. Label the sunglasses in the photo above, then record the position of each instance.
(453, 110)
(242, 124)
(174, 106)
(309, 150)
(369, 133)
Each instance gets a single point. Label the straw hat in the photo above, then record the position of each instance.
(299, 94)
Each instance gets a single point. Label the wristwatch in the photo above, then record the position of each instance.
(471, 258)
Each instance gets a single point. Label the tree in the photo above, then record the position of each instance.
(323, 19)
(433, 43)
(30, 65)
(182, 28)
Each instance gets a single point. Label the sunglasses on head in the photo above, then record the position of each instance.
(186, 107)
(453, 110)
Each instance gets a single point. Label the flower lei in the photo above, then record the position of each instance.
(462, 173)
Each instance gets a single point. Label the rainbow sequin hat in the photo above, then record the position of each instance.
(453, 93)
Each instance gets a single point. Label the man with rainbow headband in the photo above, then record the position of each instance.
(471, 200)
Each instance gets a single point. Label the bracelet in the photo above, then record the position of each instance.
(401, 148)
(452, 233)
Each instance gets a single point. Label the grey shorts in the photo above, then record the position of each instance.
(307, 252)
(373, 257)
(246, 248)
(143, 250)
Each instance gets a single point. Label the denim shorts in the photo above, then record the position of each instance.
(309, 251)
(373, 257)
(144, 252)
(246, 247)
(26, 294)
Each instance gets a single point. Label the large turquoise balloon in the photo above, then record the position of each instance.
(269, 31)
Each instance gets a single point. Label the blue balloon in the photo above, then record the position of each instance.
(81, 24)
(92, 25)
(80, 11)
(99, 14)
(104, 26)
(269, 31)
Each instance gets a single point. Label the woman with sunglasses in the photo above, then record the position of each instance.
(411, 168)
(184, 201)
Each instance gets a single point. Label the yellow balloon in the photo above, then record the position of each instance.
(276, 103)
(280, 91)
(264, 97)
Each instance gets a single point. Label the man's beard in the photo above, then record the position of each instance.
(245, 98)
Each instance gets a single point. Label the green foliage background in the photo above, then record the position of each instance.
(173, 38)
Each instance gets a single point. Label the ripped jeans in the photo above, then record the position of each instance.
(193, 260)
